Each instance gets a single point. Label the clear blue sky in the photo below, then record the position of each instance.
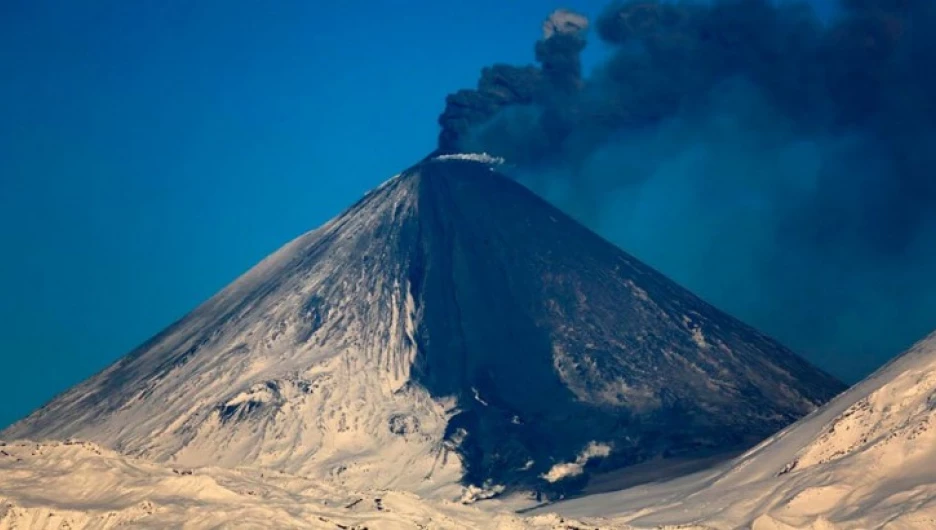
(151, 154)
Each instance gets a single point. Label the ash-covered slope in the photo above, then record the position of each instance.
(450, 326)
(866, 460)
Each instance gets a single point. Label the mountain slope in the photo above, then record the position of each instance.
(78, 485)
(451, 326)
(866, 460)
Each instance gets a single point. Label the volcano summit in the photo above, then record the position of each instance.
(451, 327)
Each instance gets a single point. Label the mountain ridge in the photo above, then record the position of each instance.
(386, 347)
(862, 461)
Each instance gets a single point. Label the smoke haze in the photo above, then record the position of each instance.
(781, 166)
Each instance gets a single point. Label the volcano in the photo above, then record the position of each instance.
(451, 328)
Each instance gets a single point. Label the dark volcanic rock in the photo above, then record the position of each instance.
(451, 309)
(567, 339)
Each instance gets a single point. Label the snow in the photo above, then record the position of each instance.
(305, 364)
(866, 460)
(297, 366)
(80, 485)
(483, 158)
(477, 397)
(335, 372)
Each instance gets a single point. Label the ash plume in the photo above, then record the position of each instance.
(503, 87)
(780, 164)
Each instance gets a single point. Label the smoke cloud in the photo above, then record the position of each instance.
(779, 165)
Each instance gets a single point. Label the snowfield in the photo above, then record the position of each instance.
(866, 460)
(80, 485)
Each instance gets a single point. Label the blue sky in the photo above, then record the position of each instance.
(152, 151)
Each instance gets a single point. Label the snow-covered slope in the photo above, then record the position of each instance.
(301, 365)
(866, 460)
(449, 327)
(78, 485)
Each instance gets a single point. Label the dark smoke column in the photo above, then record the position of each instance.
(560, 48)
(502, 86)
